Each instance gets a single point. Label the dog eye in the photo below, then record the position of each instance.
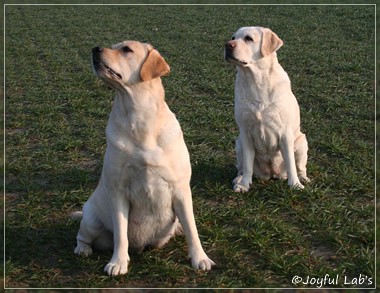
(126, 49)
(248, 39)
(233, 38)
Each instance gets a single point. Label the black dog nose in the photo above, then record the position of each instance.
(97, 49)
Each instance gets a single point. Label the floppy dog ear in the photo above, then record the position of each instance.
(270, 43)
(154, 66)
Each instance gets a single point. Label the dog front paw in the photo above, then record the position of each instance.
(239, 185)
(203, 263)
(83, 249)
(296, 185)
(240, 188)
(117, 268)
(237, 179)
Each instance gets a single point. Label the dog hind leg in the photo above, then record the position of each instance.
(90, 229)
(176, 229)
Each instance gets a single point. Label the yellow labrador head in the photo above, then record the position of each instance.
(250, 44)
(128, 63)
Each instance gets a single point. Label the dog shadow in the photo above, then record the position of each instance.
(206, 174)
(49, 244)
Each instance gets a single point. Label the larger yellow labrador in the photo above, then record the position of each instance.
(144, 187)
(270, 142)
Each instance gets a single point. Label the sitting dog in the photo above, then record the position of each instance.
(143, 197)
(270, 142)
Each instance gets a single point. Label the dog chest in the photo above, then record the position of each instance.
(265, 139)
(149, 194)
(263, 129)
(150, 198)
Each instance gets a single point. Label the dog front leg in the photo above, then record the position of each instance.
(245, 155)
(183, 208)
(300, 154)
(120, 258)
(287, 151)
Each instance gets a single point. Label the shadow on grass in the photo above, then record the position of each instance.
(206, 173)
(40, 237)
(43, 257)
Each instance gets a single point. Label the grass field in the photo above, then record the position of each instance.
(55, 117)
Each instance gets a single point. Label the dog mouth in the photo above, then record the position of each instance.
(102, 67)
(110, 71)
(230, 58)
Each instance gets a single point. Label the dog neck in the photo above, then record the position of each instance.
(258, 76)
(137, 112)
(261, 69)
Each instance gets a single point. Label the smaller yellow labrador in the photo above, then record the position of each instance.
(270, 142)
(143, 197)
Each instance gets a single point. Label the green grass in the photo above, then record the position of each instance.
(56, 113)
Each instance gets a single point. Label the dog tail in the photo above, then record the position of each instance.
(76, 216)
